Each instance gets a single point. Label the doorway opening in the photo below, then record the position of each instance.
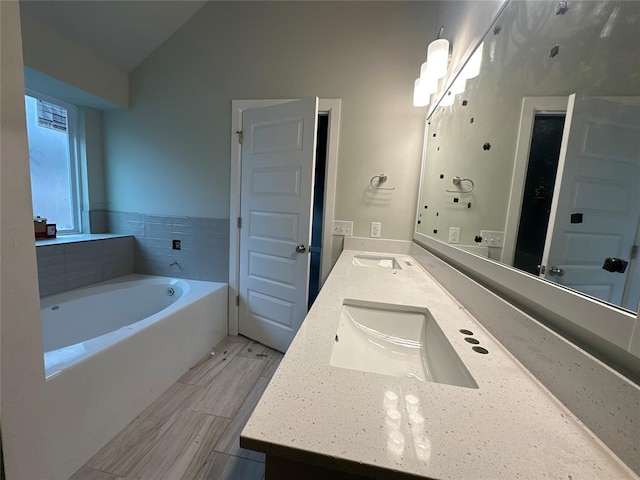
(319, 178)
(542, 168)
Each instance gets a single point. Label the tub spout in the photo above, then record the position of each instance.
(174, 263)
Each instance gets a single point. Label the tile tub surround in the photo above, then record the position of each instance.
(204, 253)
(65, 266)
(509, 427)
(607, 402)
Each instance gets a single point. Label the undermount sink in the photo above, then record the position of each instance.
(376, 261)
(397, 341)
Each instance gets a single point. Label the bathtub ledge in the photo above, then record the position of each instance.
(84, 237)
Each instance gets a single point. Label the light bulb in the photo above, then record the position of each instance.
(428, 82)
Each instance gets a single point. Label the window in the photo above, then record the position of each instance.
(51, 132)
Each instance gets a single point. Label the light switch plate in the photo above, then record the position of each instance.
(376, 229)
(342, 227)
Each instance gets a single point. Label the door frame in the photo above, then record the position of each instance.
(330, 106)
(531, 106)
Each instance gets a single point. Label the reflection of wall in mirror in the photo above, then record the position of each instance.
(596, 57)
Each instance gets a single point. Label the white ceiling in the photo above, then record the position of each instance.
(124, 32)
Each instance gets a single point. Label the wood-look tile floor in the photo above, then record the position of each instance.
(192, 431)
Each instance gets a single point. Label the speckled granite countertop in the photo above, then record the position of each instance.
(509, 427)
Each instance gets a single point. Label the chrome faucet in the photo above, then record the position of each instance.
(174, 263)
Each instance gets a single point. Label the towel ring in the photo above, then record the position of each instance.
(381, 179)
(458, 181)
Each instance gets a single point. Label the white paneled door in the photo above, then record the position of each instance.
(278, 162)
(596, 202)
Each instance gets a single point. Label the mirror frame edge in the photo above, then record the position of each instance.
(511, 284)
(522, 290)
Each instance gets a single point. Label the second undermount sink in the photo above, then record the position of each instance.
(397, 341)
(376, 261)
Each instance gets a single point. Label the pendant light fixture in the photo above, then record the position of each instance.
(420, 94)
(431, 71)
(438, 57)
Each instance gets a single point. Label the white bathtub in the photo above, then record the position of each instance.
(113, 348)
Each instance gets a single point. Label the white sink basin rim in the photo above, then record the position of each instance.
(376, 261)
(398, 341)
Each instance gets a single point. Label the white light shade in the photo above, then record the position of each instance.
(420, 96)
(472, 68)
(438, 58)
(428, 83)
(459, 85)
(447, 100)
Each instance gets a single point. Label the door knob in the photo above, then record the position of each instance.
(556, 271)
(301, 248)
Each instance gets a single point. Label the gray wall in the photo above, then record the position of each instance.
(86, 76)
(169, 154)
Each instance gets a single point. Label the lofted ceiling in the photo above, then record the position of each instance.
(123, 32)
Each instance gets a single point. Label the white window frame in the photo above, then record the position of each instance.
(74, 157)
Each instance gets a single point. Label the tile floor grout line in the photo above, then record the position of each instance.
(210, 414)
(238, 456)
(102, 471)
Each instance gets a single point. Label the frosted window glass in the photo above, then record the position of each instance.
(51, 173)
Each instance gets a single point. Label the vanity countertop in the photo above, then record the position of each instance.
(509, 427)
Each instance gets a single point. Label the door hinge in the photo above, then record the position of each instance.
(239, 222)
(237, 300)
(240, 136)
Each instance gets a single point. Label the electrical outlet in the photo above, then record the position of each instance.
(342, 227)
(376, 229)
(454, 234)
(492, 238)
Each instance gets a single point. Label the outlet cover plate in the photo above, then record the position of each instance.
(342, 227)
(454, 235)
(492, 238)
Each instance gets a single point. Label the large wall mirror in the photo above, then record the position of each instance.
(536, 163)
